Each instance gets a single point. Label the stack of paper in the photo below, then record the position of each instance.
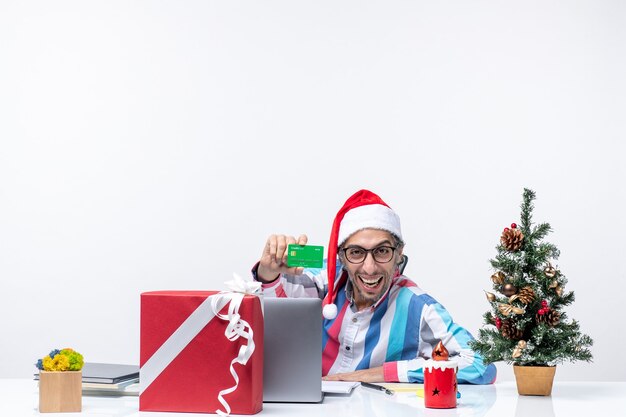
(338, 387)
(110, 379)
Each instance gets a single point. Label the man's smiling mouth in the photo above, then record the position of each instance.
(370, 283)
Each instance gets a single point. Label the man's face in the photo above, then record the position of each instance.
(370, 279)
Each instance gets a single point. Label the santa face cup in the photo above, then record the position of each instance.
(440, 380)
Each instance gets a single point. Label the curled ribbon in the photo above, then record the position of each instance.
(237, 327)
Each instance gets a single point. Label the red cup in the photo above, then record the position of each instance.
(440, 386)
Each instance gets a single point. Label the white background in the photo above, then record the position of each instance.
(151, 145)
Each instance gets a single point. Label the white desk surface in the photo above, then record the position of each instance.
(19, 397)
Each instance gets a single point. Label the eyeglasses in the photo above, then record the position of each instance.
(357, 254)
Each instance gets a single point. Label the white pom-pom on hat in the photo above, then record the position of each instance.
(329, 311)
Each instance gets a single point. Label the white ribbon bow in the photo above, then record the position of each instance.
(238, 284)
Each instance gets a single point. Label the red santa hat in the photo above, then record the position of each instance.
(363, 210)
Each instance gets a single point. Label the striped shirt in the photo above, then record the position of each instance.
(399, 332)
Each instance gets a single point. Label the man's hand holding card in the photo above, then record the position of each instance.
(274, 258)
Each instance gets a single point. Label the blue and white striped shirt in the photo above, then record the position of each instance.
(399, 332)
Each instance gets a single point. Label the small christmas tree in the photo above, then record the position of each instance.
(531, 327)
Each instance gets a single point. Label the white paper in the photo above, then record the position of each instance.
(338, 387)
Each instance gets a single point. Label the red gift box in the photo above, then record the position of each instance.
(185, 356)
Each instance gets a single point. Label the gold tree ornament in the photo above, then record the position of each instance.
(526, 295)
(517, 352)
(512, 239)
(517, 310)
(505, 309)
(559, 290)
(498, 278)
(490, 296)
(549, 271)
(508, 289)
(554, 284)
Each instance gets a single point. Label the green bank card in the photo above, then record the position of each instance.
(305, 256)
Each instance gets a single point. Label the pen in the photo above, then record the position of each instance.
(377, 387)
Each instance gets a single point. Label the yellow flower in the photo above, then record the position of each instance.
(47, 363)
(60, 363)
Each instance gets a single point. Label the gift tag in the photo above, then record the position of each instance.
(306, 256)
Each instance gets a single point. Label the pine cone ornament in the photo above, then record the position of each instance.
(512, 239)
(549, 317)
(554, 317)
(510, 331)
(526, 295)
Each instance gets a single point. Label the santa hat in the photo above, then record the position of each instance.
(363, 210)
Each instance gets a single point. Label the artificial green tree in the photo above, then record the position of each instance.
(526, 324)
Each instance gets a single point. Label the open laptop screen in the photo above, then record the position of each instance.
(292, 368)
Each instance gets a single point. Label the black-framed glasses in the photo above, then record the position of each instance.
(381, 254)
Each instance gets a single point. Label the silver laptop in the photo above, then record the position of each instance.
(292, 368)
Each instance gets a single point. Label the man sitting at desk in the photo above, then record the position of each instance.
(378, 324)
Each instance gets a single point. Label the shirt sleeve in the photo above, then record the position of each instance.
(312, 283)
(437, 324)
